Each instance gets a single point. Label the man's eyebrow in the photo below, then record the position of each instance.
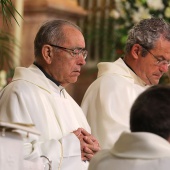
(79, 48)
(161, 57)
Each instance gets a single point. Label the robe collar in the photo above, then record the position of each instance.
(46, 74)
(141, 145)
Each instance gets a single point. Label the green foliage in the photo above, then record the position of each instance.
(7, 40)
(129, 12)
(8, 10)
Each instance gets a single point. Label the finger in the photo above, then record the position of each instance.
(84, 158)
(84, 132)
(93, 147)
(91, 142)
(77, 132)
(82, 144)
(93, 138)
(88, 140)
(88, 150)
(88, 156)
(86, 147)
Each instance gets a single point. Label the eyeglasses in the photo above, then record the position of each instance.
(73, 52)
(159, 62)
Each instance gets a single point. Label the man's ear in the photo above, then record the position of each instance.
(136, 51)
(47, 53)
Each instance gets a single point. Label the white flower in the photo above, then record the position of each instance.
(120, 8)
(138, 3)
(155, 4)
(3, 80)
(115, 14)
(127, 5)
(142, 13)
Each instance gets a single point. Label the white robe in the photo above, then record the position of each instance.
(134, 151)
(34, 99)
(108, 100)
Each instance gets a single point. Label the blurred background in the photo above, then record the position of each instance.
(105, 24)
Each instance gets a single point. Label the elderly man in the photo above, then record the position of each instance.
(37, 96)
(148, 144)
(108, 100)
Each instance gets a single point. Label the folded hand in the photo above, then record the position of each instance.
(89, 145)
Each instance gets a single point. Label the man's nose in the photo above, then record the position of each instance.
(81, 59)
(164, 68)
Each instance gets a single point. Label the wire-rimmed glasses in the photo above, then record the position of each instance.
(73, 52)
(159, 62)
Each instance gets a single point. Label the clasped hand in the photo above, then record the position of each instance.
(89, 145)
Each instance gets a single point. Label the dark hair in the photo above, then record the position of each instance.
(151, 112)
(51, 33)
(147, 32)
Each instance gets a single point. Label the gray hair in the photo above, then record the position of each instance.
(147, 32)
(51, 33)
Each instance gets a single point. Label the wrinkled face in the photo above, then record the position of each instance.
(148, 69)
(64, 67)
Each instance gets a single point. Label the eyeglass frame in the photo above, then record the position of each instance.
(72, 52)
(159, 62)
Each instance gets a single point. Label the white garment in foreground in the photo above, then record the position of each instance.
(12, 148)
(31, 98)
(108, 100)
(134, 151)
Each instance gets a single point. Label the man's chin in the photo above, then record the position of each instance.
(155, 82)
(155, 79)
(73, 79)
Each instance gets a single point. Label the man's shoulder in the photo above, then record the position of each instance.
(16, 88)
(100, 159)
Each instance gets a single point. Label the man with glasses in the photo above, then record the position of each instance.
(108, 100)
(37, 96)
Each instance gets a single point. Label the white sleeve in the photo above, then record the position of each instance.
(64, 154)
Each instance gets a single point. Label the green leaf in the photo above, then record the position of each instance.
(8, 10)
